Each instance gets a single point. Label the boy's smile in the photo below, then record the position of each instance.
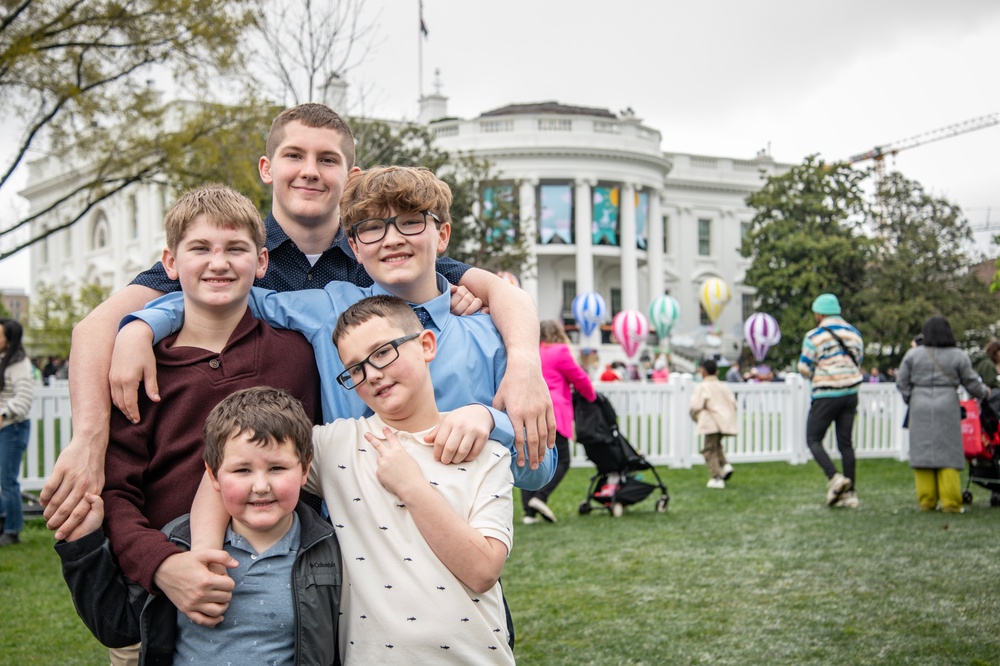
(260, 487)
(308, 171)
(216, 265)
(404, 264)
(401, 390)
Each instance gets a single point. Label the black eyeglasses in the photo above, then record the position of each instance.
(373, 229)
(378, 359)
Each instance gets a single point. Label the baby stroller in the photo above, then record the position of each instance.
(616, 484)
(981, 442)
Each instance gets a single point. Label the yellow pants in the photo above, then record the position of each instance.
(934, 485)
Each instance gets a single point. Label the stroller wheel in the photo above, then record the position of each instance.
(661, 504)
(584, 508)
(995, 499)
(617, 509)
(966, 497)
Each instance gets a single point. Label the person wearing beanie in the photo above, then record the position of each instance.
(831, 358)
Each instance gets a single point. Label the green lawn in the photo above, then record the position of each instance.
(760, 573)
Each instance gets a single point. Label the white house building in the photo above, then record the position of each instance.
(607, 208)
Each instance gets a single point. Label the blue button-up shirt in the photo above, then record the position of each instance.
(468, 368)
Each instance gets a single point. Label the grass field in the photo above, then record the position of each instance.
(760, 573)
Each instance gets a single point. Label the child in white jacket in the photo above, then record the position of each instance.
(713, 407)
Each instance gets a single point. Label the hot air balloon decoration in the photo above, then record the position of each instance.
(630, 328)
(589, 310)
(762, 332)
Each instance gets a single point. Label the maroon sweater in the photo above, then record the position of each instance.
(153, 468)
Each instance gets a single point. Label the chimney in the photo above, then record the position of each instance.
(435, 105)
(334, 94)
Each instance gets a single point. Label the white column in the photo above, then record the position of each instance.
(583, 219)
(629, 255)
(529, 226)
(654, 247)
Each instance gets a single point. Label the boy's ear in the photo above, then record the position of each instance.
(262, 260)
(428, 343)
(354, 246)
(213, 479)
(444, 235)
(169, 263)
(305, 472)
(264, 167)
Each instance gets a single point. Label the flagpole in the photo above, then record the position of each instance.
(420, 53)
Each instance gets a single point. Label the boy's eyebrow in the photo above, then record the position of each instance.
(369, 351)
(291, 146)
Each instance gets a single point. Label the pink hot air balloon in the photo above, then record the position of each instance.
(509, 277)
(762, 333)
(630, 328)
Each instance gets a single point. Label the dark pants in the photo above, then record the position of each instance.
(841, 412)
(562, 466)
(13, 442)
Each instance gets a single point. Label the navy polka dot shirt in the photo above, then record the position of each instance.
(289, 270)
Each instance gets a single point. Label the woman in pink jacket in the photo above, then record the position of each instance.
(560, 371)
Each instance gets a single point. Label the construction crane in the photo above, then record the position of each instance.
(879, 153)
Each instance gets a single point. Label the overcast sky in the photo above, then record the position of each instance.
(719, 78)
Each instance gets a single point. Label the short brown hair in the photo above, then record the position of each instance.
(992, 347)
(315, 116)
(271, 415)
(222, 205)
(406, 189)
(396, 310)
(552, 331)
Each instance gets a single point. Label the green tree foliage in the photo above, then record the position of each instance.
(73, 85)
(805, 239)
(53, 314)
(919, 268)
(486, 223)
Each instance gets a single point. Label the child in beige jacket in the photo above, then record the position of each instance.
(713, 407)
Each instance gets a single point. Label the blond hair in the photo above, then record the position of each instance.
(317, 116)
(552, 331)
(223, 206)
(373, 192)
(270, 415)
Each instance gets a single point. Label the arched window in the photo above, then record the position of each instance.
(99, 232)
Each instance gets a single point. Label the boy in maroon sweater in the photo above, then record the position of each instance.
(215, 248)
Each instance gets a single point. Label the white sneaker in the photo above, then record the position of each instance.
(716, 483)
(835, 487)
(530, 520)
(542, 508)
(727, 471)
(848, 500)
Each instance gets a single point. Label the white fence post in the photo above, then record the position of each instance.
(685, 443)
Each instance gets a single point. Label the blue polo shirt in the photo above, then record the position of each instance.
(260, 620)
(468, 368)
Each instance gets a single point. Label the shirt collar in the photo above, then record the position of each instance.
(439, 307)
(376, 424)
(276, 237)
(286, 544)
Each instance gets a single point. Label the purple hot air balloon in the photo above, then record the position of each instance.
(762, 333)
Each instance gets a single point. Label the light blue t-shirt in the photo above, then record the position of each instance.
(260, 622)
(470, 363)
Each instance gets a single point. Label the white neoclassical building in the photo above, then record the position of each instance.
(607, 208)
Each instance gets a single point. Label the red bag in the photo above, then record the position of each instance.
(972, 435)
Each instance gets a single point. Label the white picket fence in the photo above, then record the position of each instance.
(653, 417)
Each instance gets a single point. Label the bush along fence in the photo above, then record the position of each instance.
(653, 417)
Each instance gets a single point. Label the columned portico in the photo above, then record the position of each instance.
(654, 247)
(529, 225)
(629, 258)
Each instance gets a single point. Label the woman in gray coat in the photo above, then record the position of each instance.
(928, 379)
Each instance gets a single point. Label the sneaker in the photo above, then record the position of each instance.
(716, 483)
(727, 471)
(848, 500)
(9, 539)
(542, 508)
(835, 487)
(530, 520)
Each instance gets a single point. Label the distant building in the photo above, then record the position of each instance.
(608, 209)
(16, 302)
